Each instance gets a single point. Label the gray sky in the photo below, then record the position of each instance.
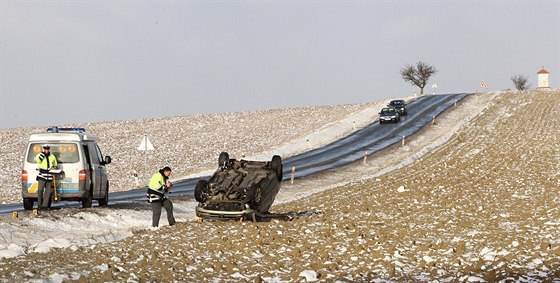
(83, 61)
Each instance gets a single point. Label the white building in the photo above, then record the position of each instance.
(542, 78)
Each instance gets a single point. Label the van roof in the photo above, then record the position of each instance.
(55, 137)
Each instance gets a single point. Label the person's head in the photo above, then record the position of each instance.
(46, 148)
(166, 171)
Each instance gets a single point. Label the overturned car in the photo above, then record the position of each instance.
(239, 188)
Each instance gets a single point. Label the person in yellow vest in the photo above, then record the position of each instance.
(45, 161)
(158, 186)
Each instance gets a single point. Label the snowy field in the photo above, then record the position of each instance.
(191, 144)
(473, 198)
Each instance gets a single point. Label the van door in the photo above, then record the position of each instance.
(96, 169)
(87, 166)
(102, 172)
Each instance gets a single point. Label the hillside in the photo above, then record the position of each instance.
(189, 144)
(483, 206)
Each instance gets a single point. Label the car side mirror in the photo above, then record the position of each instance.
(107, 159)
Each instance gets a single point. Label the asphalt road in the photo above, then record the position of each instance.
(371, 139)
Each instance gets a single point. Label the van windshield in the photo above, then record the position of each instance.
(64, 152)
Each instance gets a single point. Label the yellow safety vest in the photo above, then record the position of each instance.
(48, 162)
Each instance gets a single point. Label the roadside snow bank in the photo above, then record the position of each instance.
(72, 227)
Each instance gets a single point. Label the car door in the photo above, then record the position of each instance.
(102, 168)
(96, 169)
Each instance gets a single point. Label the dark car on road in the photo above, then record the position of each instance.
(239, 188)
(389, 115)
(400, 105)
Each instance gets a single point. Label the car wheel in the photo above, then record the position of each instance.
(28, 204)
(200, 190)
(223, 160)
(86, 202)
(105, 200)
(276, 166)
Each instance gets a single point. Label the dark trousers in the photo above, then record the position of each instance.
(156, 209)
(44, 192)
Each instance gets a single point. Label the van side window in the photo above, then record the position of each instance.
(99, 155)
(93, 154)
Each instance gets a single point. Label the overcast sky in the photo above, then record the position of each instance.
(84, 61)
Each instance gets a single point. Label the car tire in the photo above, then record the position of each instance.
(86, 202)
(223, 160)
(28, 204)
(276, 166)
(200, 190)
(105, 200)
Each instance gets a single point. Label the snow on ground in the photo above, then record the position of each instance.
(17, 239)
(473, 198)
(191, 144)
(74, 227)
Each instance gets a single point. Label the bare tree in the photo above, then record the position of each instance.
(418, 75)
(520, 82)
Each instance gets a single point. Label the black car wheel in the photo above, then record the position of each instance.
(223, 160)
(276, 166)
(28, 204)
(105, 200)
(86, 201)
(200, 190)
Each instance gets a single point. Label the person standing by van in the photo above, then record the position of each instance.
(45, 162)
(158, 186)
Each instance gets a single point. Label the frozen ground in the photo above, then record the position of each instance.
(191, 144)
(473, 198)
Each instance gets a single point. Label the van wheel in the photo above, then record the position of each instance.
(276, 166)
(105, 200)
(86, 202)
(28, 204)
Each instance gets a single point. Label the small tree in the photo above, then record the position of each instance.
(520, 82)
(418, 75)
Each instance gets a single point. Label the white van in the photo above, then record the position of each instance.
(83, 177)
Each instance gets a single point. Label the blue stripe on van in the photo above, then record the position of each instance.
(62, 188)
(68, 190)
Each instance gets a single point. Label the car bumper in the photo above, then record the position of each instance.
(389, 120)
(213, 213)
